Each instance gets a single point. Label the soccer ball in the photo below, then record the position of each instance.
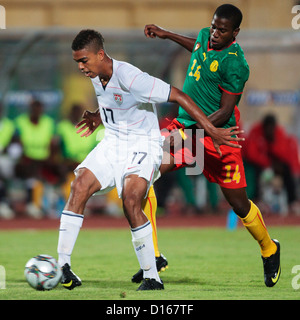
(42, 272)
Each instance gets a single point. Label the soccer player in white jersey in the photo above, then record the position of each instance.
(130, 154)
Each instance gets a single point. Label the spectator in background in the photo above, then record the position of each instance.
(274, 155)
(7, 130)
(38, 164)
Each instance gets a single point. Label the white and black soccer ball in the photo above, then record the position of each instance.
(42, 272)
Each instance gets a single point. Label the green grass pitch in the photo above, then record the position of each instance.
(210, 263)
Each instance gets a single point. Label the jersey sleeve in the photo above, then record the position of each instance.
(144, 87)
(235, 73)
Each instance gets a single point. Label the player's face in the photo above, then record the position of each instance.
(221, 33)
(91, 64)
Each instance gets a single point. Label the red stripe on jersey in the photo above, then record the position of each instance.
(133, 80)
(233, 93)
(237, 115)
(151, 175)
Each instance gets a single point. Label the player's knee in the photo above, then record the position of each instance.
(131, 203)
(79, 186)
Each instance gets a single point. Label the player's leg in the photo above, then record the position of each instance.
(168, 163)
(84, 185)
(133, 193)
(229, 173)
(252, 219)
(150, 204)
(149, 207)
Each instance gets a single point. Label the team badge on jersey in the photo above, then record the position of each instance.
(118, 98)
(197, 46)
(214, 66)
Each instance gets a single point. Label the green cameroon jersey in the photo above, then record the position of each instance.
(212, 72)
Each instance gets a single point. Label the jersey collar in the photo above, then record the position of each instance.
(211, 49)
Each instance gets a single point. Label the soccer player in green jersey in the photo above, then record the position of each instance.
(215, 80)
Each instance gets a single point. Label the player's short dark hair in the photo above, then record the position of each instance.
(230, 12)
(88, 38)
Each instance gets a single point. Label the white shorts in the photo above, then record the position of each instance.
(113, 159)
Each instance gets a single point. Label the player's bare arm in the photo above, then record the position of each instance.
(221, 116)
(220, 136)
(153, 31)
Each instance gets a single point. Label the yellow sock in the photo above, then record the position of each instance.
(255, 225)
(66, 187)
(113, 198)
(37, 193)
(149, 207)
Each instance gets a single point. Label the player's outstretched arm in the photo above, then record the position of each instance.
(153, 31)
(220, 136)
(227, 104)
(90, 122)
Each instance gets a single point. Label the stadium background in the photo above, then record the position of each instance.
(36, 61)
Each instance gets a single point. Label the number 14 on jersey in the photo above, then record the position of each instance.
(195, 71)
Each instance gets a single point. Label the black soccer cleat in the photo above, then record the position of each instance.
(69, 279)
(272, 267)
(161, 265)
(150, 284)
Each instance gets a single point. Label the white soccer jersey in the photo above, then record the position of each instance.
(127, 103)
(132, 142)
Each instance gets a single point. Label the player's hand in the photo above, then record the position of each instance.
(153, 31)
(90, 122)
(223, 136)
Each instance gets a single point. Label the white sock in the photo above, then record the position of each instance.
(144, 249)
(70, 224)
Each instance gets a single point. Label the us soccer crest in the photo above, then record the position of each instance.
(118, 98)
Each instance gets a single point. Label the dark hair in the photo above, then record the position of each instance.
(88, 38)
(269, 120)
(36, 103)
(230, 12)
